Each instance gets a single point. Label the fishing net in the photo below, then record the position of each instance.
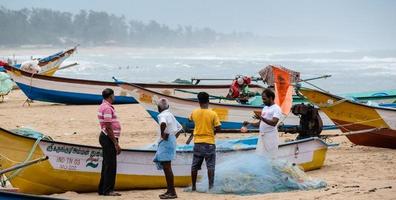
(256, 101)
(31, 133)
(253, 174)
(5, 83)
(228, 144)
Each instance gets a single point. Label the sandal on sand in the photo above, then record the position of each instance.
(168, 196)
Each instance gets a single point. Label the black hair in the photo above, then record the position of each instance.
(269, 93)
(106, 93)
(203, 97)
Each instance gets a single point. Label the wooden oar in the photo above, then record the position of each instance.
(68, 66)
(198, 80)
(22, 165)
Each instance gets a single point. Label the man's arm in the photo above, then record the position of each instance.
(217, 129)
(272, 122)
(255, 124)
(110, 134)
(216, 124)
(163, 134)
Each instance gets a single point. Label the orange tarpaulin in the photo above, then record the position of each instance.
(283, 89)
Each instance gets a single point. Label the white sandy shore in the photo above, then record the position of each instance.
(352, 172)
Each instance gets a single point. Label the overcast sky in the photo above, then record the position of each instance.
(360, 21)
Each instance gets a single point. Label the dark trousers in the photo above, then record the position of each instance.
(109, 165)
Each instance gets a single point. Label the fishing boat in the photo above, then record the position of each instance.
(50, 64)
(64, 90)
(21, 196)
(362, 124)
(79, 92)
(385, 98)
(231, 115)
(72, 167)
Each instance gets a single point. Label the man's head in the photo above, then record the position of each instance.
(108, 95)
(203, 99)
(162, 104)
(268, 97)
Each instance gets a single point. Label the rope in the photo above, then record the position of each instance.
(9, 159)
(29, 157)
(359, 122)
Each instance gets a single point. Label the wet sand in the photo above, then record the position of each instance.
(351, 172)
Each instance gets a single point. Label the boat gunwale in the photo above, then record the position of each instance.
(347, 100)
(96, 82)
(61, 55)
(184, 99)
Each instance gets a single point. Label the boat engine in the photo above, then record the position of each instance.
(311, 124)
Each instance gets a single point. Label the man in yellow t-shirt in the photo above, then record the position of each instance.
(206, 124)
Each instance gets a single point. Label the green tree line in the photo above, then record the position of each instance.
(45, 26)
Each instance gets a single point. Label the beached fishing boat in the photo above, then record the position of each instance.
(384, 98)
(50, 64)
(64, 90)
(21, 196)
(231, 115)
(72, 167)
(78, 91)
(362, 124)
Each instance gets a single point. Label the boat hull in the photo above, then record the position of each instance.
(20, 196)
(80, 92)
(65, 91)
(364, 125)
(231, 115)
(72, 167)
(49, 65)
(74, 98)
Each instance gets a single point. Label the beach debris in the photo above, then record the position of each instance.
(373, 190)
(352, 186)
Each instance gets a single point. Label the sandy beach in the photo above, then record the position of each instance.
(351, 172)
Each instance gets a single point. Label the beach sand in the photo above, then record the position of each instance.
(351, 172)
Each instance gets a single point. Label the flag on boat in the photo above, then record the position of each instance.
(282, 80)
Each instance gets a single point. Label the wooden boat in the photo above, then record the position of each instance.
(72, 167)
(50, 64)
(20, 196)
(363, 124)
(78, 91)
(64, 90)
(384, 98)
(231, 115)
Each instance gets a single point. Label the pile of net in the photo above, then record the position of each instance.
(228, 144)
(253, 174)
(28, 132)
(5, 83)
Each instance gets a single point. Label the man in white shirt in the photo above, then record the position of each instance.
(268, 139)
(166, 152)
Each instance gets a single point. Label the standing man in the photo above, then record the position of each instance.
(108, 139)
(206, 124)
(166, 152)
(268, 139)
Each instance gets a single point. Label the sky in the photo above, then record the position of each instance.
(370, 23)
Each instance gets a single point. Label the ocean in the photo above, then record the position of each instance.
(350, 70)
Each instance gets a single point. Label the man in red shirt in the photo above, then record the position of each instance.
(108, 139)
